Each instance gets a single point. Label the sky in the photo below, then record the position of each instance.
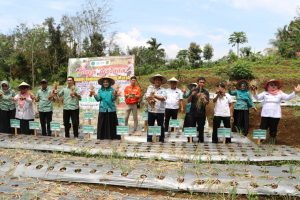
(174, 23)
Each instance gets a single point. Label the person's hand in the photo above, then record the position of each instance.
(255, 109)
(183, 90)
(194, 92)
(297, 89)
(54, 92)
(72, 94)
(92, 93)
(32, 97)
(181, 110)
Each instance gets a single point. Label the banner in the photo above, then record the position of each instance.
(87, 72)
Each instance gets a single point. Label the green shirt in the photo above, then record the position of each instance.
(70, 103)
(45, 105)
(6, 102)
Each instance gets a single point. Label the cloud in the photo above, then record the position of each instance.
(130, 39)
(58, 5)
(171, 50)
(278, 6)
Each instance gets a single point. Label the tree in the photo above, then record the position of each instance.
(194, 54)
(208, 52)
(156, 55)
(245, 51)
(237, 38)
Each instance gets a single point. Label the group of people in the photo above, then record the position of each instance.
(162, 105)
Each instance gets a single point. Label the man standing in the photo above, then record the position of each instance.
(45, 97)
(71, 96)
(199, 99)
(173, 102)
(132, 94)
(156, 97)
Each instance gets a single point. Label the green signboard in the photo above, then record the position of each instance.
(121, 121)
(260, 134)
(88, 115)
(55, 126)
(145, 116)
(154, 130)
(174, 123)
(88, 129)
(190, 131)
(224, 133)
(122, 130)
(34, 125)
(15, 123)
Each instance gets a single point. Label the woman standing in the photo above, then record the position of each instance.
(7, 107)
(107, 119)
(24, 111)
(241, 107)
(271, 110)
(186, 94)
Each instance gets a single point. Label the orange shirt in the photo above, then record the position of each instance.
(129, 90)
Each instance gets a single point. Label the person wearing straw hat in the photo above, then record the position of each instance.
(271, 109)
(222, 111)
(132, 95)
(71, 96)
(173, 102)
(24, 108)
(199, 99)
(156, 97)
(241, 107)
(186, 94)
(45, 97)
(7, 107)
(107, 117)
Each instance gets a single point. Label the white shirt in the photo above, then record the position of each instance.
(271, 103)
(27, 112)
(160, 106)
(222, 108)
(173, 98)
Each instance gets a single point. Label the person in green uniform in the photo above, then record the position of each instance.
(71, 96)
(7, 107)
(45, 98)
(107, 118)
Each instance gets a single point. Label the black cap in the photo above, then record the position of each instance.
(44, 81)
(133, 77)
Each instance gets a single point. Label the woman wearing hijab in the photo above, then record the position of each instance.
(24, 112)
(241, 107)
(186, 94)
(7, 107)
(107, 119)
(271, 110)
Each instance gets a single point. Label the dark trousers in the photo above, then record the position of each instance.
(168, 114)
(159, 117)
(200, 121)
(271, 124)
(74, 116)
(241, 121)
(24, 127)
(45, 119)
(5, 117)
(216, 124)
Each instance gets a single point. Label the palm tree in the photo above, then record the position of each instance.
(237, 38)
(158, 54)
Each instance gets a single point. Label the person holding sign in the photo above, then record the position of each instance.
(241, 107)
(271, 110)
(71, 96)
(24, 111)
(107, 118)
(7, 107)
(173, 102)
(156, 97)
(45, 97)
(132, 95)
(199, 99)
(222, 111)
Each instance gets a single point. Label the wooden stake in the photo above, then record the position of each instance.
(224, 140)
(145, 125)
(191, 139)
(258, 141)
(34, 132)
(122, 138)
(16, 131)
(55, 134)
(153, 138)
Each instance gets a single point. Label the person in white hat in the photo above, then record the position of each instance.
(71, 96)
(156, 97)
(174, 101)
(271, 110)
(24, 108)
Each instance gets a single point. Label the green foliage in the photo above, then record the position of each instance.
(237, 71)
(237, 38)
(194, 55)
(208, 52)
